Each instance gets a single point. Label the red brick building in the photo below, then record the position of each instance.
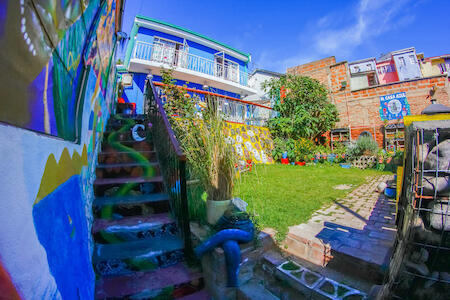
(359, 109)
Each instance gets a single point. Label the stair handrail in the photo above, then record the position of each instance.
(160, 106)
(155, 108)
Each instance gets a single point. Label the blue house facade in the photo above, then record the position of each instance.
(197, 61)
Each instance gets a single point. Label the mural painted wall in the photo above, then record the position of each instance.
(42, 46)
(59, 87)
(250, 142)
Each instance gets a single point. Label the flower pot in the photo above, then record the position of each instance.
(215, 209)
(285, 161)
(300, 163)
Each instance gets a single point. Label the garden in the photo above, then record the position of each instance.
(287, 194)
(278, 195)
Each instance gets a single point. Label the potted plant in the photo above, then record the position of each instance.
(212, 161)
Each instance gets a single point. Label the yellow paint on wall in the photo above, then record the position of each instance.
(56, 173)
(250, 142)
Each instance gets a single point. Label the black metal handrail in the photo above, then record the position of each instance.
(172, 161)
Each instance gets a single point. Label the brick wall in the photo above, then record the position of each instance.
(319, 69)
(359, 109)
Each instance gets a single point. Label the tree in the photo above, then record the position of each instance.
(303, 108)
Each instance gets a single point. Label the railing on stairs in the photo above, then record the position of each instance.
(172, 162)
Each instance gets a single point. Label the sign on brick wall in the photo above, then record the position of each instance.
(394, 106)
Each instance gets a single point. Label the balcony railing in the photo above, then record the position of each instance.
(232, 109)
(180, 58)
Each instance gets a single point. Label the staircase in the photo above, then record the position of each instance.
(139, 251)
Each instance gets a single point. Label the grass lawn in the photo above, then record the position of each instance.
(283, 195)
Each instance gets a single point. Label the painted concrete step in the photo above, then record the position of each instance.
(128, 169)
(132, 199)
(143, 255)
(121, 186)
(130, 145)
(124, 180)
(173, 282)
(110, 156)
(127, 165)
(127, 135)
(131, 205)
(133, 228)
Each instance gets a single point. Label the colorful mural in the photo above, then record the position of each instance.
(42, 54)
(59, 79)
(62, 229)
(250, 142)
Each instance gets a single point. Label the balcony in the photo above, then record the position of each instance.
(232, 109)
(224, 75)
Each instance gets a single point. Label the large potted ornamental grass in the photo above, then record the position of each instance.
(211, 160)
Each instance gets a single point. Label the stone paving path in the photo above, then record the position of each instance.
(362, 225)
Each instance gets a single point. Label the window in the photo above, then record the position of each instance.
(402, 61)
(371, 78)
(365, 134)
(412, 59)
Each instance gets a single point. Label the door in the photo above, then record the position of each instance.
(164, 51)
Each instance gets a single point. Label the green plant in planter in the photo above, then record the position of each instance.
(279, 146)
(210, 158)
(290, 148)
(303, 147)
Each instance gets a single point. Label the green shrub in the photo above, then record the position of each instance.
(363, 146)
(303, 148)
(339, 148)
(322, 149)
(281, 145)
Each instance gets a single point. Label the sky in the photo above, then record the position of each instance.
(284, 33)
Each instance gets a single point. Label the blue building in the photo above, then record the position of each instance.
(201, 62)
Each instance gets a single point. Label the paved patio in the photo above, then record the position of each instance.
(359, 229)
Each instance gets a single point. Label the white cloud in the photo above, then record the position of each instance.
(368, 20)
(339, 33)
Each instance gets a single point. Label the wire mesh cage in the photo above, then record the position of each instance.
(420, 265)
